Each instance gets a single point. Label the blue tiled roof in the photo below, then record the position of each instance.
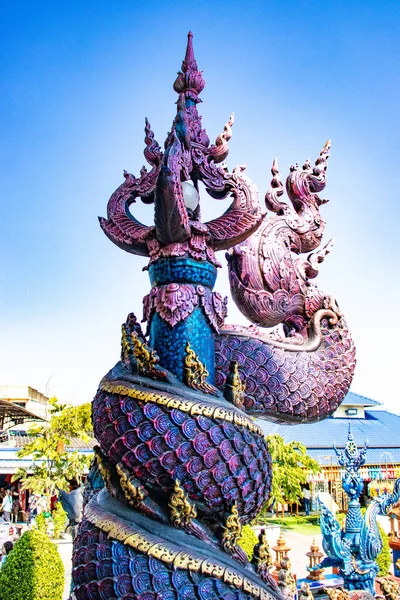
(380, 427)
(375, 456)
(355, 399)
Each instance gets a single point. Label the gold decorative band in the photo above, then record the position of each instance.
(121, 530)
(188, 406)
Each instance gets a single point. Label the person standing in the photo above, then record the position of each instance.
(306, 498)
(6, 506)
(5, 551)
(15, 509)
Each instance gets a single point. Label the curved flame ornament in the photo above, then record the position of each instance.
(182, 461)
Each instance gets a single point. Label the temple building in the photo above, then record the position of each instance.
(27, 398)
(380, 428)
(20, 406)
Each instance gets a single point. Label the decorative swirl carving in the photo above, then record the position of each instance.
(270, 285)
(196, 374)
(187, 156)
(220, 150)
(182, 512)
(152, 151)
(231, 534)
(134, 494)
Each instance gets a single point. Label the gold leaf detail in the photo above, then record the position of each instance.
(182, 512)
(183, 405)
(232, 531)
(133, 494)
(195, 373)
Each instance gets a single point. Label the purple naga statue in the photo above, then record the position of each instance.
(181, 464)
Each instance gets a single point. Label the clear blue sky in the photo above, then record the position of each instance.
(77, 80)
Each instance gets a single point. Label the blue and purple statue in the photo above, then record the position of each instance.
(183, 462)
(354, 548)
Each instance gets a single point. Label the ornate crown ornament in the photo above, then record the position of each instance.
(187, 159)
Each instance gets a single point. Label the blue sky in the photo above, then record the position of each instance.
(77, 80)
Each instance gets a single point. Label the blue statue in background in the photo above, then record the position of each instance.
(354, 548)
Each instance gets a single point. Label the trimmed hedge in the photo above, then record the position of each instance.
(60, 520)
(314, 519)
(384, 557)
(248, 540)
(33, 570)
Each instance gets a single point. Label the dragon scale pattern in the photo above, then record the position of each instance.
(290, 386)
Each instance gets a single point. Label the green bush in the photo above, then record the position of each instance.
(248, 540)
(33, 570)
(384, 557)
(314, 519)
(41, 523)
(59, 519)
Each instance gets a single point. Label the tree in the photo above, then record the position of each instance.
(290, 463)
(52, 466)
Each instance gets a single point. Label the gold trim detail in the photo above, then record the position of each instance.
(120, 530)
(232, 531)
(182, 511)
(145, 357)
(337, 593)
(133, 494)
(187, 406)
(195, 373)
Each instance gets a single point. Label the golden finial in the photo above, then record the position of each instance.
(195, 373)
(145, 358)
(182, 512)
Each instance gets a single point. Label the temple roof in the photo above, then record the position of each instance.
(352, 399)
(13, 411)
(18, 439)
(380, 427)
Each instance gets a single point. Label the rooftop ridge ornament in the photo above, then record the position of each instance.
(189, 81)
(187, 157)
(351, 457)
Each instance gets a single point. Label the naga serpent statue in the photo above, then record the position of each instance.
(182, 461)
(353, 549)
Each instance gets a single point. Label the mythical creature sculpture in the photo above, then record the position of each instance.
(354, 548)
(286, 581)
(183, 462)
